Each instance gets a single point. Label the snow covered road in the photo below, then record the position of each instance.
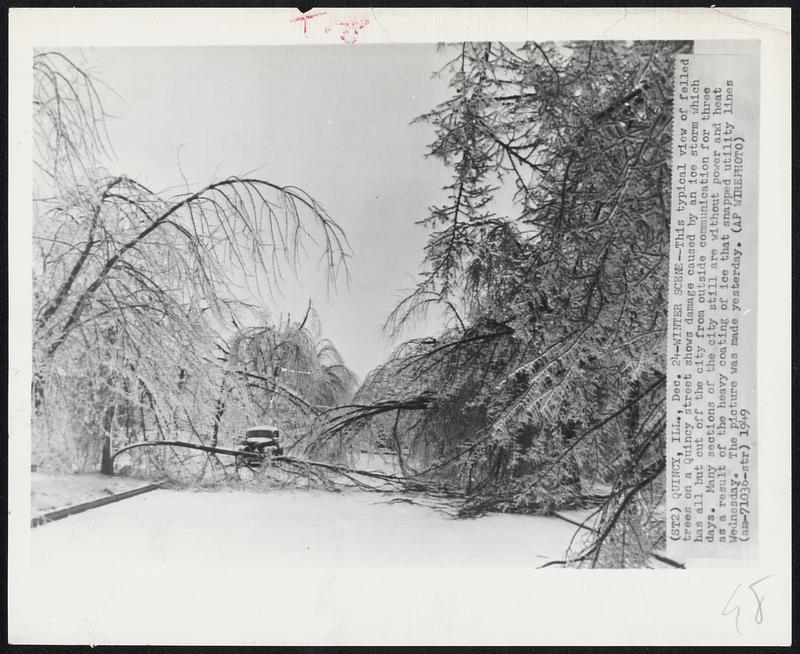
(292, 528)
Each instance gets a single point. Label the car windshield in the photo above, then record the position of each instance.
(262, 433)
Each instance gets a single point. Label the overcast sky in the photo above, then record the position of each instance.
(333, 120)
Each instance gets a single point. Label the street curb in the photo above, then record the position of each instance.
(57, 514)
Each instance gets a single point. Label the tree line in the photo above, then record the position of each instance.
(137, 294)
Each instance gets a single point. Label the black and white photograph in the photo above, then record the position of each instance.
(356, 303)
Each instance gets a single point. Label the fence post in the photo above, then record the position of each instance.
(106, 465)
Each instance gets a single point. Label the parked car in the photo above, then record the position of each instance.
(259, 442)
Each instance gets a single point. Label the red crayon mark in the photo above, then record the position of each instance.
(351, 29)
(305, 18)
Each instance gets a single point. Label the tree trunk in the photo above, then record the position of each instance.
(218, 412)
(106, 466)
(37, 392)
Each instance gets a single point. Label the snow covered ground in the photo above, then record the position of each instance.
(56, 491)
(292, 528)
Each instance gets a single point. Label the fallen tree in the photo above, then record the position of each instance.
(549, 260)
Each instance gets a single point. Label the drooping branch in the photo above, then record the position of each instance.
(336, 244)
(63, 291)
